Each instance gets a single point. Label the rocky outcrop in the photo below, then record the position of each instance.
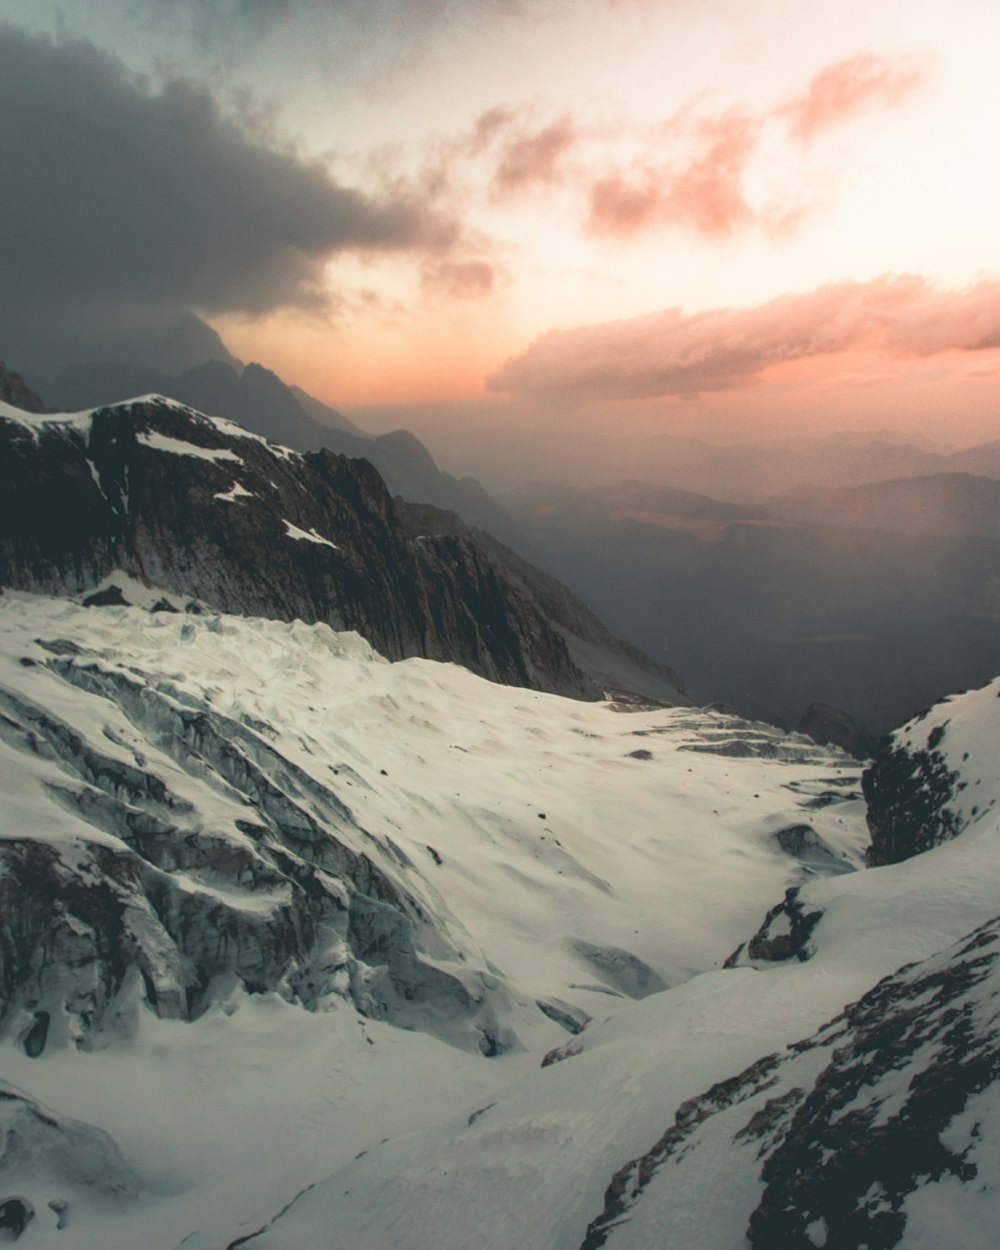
(199, 507)
(784, 934)
(615, 665)
(843, 1127)
(935, 777)
(829, 726)
(14, 390)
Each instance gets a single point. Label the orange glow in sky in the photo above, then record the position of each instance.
(545, 185)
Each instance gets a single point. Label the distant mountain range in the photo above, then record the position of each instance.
(746, 473)
(304, 948)
(943, 505)
(853, 573)
(875, 600)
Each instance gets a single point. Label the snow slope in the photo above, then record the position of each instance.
(557, 861)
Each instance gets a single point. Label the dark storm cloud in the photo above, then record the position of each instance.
(121, 199)
(366, 40)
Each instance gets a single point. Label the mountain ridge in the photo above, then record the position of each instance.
(200, 507)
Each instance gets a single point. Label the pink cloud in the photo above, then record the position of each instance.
(705, 193)
(534, 158)
(669, 353)
(488, 126)
(846, 89)
(467, 279)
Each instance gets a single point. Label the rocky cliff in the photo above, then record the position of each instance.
(202, 508)
(261, 402)
(14, 390)
(935, 777)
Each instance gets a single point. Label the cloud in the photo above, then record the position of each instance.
(467, 279)
(670, 353)
(704, 193)
(533, 158)
(701, 185)
(848, 88)
(121, 200)
(372, 42)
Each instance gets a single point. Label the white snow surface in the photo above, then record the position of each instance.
(962, 729)
(309, 536)
(81, 421)
(36, 421)
(180, 447)
(548, 832)
(235, 493)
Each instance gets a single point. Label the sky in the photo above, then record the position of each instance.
(726, 218)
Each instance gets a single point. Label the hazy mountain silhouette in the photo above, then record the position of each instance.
(948, 505)
(773, 613)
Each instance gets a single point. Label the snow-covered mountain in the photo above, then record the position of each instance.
(304, 947)
(204, 508)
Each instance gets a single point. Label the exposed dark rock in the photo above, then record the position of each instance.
(138, 489)
(15, 1216)
(846, 1124)
(34, 1039)
(629, 1181)
(910, 791)
(848, 1157)
(617, 668)
(803, 843)
(260, 401)
(567, 1051)
(14, 390)
(109, 597)
(572, 1019)
(829, 726)
(784, 934)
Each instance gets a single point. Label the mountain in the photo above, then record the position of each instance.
(306, 949)
(946, 505)
(164, 343)
(324, 415)
(852, 599)
(201, 507)
(16, 392)
(984, 459)
(259, 400)
(255, 395)
(747, 473)
(615, 665)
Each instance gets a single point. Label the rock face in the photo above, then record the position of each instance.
(934, 777)
(202, 508)
(616, 665)
(784, 934)
(844, 1127)
(260, 401)
(14, 390)
(830, 726)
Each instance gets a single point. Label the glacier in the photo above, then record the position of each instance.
(303, 948)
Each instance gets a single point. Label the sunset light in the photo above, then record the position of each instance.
(457, 194)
